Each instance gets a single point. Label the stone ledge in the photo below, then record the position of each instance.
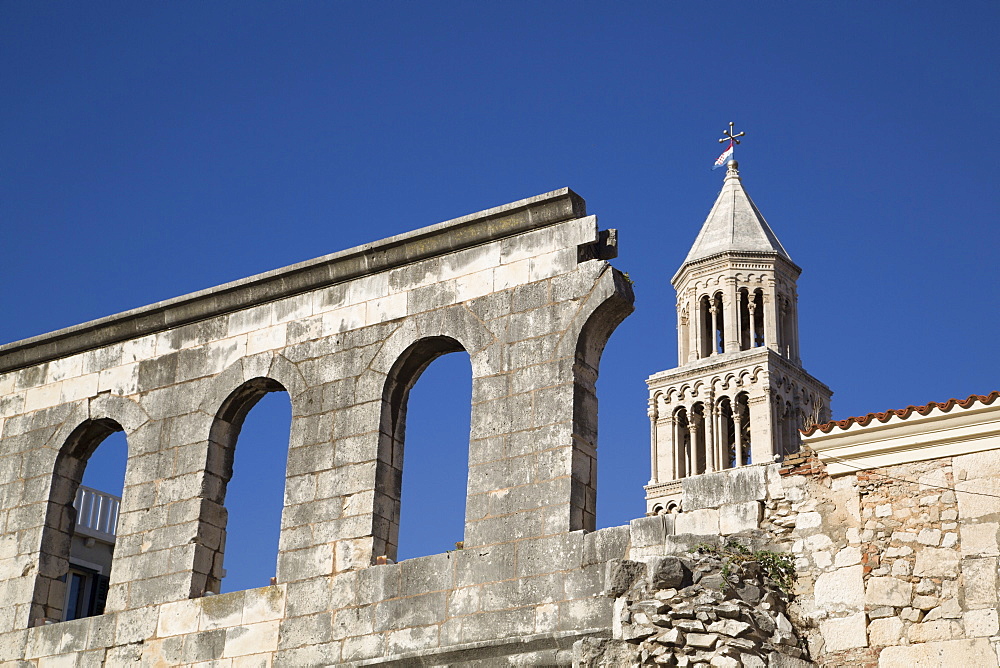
(487, 649)
(447, 237)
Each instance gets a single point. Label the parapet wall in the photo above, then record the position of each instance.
(524, 289)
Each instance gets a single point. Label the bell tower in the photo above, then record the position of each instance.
(740, 393)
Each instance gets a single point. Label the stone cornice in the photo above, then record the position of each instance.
(453, 235)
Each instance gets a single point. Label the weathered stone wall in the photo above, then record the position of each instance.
(897, 566)
(525, 290)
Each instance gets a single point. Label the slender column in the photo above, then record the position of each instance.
(738, 438)
(751, 311)
(732, 320)
(682, 336)
(692, 454)
(721, 438)
(654, 449)
(679, 459)
(710, 435)
(715, 326)
(694, 326)
(771, 318)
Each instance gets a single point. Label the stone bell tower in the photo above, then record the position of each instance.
(739, 394)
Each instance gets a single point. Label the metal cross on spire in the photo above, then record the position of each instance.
(728, 154)
(728, 135)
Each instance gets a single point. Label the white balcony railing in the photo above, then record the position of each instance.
(96, 513)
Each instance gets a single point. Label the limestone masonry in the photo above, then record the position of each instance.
(869, 542)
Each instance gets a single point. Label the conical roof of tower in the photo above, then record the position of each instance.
(734, 224)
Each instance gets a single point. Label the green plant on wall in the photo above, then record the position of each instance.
(778, 566)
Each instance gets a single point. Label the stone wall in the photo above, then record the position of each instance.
(524, 289)
(897, 566)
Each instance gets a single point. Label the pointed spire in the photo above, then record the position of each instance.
(734, 224)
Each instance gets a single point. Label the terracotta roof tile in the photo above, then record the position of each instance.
(902, 413)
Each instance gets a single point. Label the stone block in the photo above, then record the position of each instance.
(499, 624)
(941, 629)
(606, 544)
(401, 613)
(979, 540)
(221, 611)
(704, 522)
(936, 562)
(426, 574)
(412, 639)
(982, 502)
(979, 582)
(980, 623)
(178, 618)
(251, 639)
(739, 485)
(737, 517)
(264, 604)
(844, 632)
(646, 531)
(947, 654)
(840, 590)
(885, 632)
(888, 591)
(310, 630)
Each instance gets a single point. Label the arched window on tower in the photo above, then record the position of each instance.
(705, 330)
(682, 444)
(745, 319)
(81, 522)
(696, 426)
(718, 324)
(741, 431)
(727, 434)
(757, 312)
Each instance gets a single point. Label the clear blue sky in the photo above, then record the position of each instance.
(152, 149)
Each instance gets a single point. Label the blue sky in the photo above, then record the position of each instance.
(152, 149)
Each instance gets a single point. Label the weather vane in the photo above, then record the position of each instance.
(733, 141)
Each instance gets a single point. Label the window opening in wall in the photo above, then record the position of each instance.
(757, 317)
(697, 426)
(254, 496)
(746, 321)
(718, 325)
(707, 335)
(436, 421)
(80, 524)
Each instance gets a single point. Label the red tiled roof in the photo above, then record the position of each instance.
(902, 413)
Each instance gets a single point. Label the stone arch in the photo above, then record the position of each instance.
(79, 438)
(223, 433)
(608, 304)
(401, 378)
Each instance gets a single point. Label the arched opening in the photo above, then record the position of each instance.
(745, 319)
(696, 426)
(438, 472)
(707, 338)
(243, 550)
(726, 433)
(741, 429)
(718, 325)
(757, 318)
(81, 521)
(682, 444)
